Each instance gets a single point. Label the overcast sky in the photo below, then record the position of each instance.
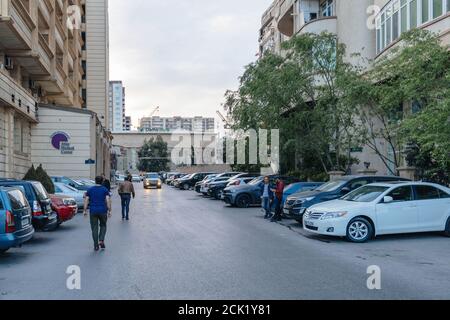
(181, 55)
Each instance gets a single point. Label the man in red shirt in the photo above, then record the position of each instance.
(278, 198)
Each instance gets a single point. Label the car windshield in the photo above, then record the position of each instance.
(152, 176)
(365, 194)
(331, 186)
(40, 190)
(70, 188)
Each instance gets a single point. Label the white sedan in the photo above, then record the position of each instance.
(380, 209)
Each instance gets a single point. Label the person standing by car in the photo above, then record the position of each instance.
(126, 191)
(267, 196)
(106, 183)
(278, 199)
(99, 200)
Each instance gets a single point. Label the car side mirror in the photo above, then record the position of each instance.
(388, 199)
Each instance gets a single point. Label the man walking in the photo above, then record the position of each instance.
(267, 196)
(126, 191)
(106, 183)
(279, 191)
(99, 200)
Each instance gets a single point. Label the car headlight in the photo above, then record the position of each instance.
(301, 201)
(334, 215)
(68, 201)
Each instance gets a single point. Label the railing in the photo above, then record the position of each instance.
(45, 11)
(45, 53)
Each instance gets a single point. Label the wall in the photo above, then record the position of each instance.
(78, 125)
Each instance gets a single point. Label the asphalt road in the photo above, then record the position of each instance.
(179, 245)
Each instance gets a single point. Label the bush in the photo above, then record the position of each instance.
(41, 176)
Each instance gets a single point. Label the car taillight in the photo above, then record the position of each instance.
(37, 210)
(10, 224)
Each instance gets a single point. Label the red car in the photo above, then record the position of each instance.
(65, 207)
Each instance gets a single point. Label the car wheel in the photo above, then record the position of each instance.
(243, 201)
(359, 230)
(447, 228)
(186, 187)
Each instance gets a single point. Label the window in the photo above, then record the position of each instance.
(358, 184)
(404, 16)
(17, 199)
(326, 8)
(413, 14)
(19, 145)
(444, 195)
(438, 8)
(425, 11)
(395, 21)
(448, 5)
(427, 193)
(402, 194)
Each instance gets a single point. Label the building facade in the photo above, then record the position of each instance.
(42, 62)
(116, 106)
(371, 28)
(170, 124)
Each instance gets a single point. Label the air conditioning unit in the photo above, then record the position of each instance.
(9, 64)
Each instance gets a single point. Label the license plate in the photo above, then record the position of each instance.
(309, 224)
(25, 222)
(286, 211)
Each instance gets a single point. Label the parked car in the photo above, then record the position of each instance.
(297, 204)
(299, 187)
(86, 182)
(217, 180)
(62, 189)
(15, 219)
(152, 180)
(216, 188)
(198, 185)
(189, 182)
(170, 176)
(136, 178)
(244, 196)
(234, 182)
(383, 208)
(43, 216)
(65, 207)
(171, 180)
(70, 182)
(120, 178)
(176, 183)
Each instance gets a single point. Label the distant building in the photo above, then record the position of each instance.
(118, 121)
(169, 124)
(127, 124)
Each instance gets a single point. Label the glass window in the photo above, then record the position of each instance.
(448, 5)
(425, 11)
(388, 31)
(17, 199)
(40, 190)
(395, 25)
(365, 194)
(437, 8)
(402, 194)
(444, 195)
(358, 184)
(404, 19)
(413, 14)
(427, 193)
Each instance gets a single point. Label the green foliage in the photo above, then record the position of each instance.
(41, 176)
(155, 154)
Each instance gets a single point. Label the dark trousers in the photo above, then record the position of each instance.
(98, 222)
(125, 199)
(278, 210)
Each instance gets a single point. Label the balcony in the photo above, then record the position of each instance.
(14, 95)
(316, 26)
(16, 25)
(286, 21)
(60, 35)
(45, 9)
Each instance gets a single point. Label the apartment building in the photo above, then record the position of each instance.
(42, 63)
(369, 27)
(128, 124)
(170, 124)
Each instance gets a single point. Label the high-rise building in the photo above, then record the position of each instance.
(116, 109)
(127, 124)
(169, 124)
(40, 62)
(97, 55)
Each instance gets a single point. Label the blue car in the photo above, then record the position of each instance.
(41, 206)
(15, 219)
(297, 204)
(299, 187)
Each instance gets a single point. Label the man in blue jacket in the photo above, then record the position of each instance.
(266, 197)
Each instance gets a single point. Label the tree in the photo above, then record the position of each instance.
(153, 156)
(415, 75)
(300, 95)
(41, 176)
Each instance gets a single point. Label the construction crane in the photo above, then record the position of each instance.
(156, 110)
(227, 125)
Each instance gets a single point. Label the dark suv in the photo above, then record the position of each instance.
(296, 205)
(190, 181)
(43, 216)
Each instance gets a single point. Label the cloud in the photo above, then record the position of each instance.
(181, 55)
